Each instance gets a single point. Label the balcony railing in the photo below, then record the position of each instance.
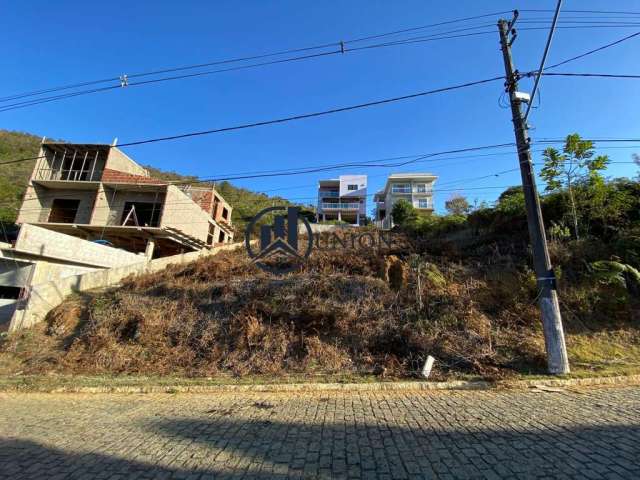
(408, 189)
(340, 206)
(329, 193)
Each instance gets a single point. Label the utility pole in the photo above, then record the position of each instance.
(557, 360)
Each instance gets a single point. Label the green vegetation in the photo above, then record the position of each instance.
(403, 213)
(576, 165)
(14, 178)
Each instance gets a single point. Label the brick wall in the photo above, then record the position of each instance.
(202, 198)
(109, 175)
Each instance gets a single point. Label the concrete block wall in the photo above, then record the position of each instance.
(45, 297)
(182, 213)
(118, 160)
(109, 207)
(38, 200)
(59, 246)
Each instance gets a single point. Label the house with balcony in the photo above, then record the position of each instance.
(343, 199)
(97, 193)
(415, 188)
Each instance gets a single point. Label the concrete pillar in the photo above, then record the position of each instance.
(324, 217)
(339, 215)
(148, 252)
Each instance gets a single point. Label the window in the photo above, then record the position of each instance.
(401, 188)
(211, 234)
(141, 214)
(63, 210)
(221, 237)
(352, 187)
(421, 188)
(423, 203)
(225, 213)
(9, 292)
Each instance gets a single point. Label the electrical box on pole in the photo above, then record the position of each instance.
(557, 360)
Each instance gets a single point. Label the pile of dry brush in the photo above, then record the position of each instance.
(363, 311)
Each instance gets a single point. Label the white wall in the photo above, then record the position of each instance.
(47, 243)
(360, 193)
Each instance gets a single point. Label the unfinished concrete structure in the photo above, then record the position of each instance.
(39, 256)
(96, 192)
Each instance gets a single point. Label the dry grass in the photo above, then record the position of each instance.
(343, 313)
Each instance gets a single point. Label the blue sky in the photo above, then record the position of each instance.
(46, 44)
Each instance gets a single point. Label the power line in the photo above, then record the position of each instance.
(421, 158)
(18, 160)
(316, 114)
(435, 37)
(599, 75)
(240, 59)
(544, 59)
(606, 12)
(585, 54)
(422, 39)
(290, 172)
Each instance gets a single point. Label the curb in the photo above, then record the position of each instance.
(343, 387)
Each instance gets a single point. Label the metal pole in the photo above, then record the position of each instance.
(84, 160)
(93, 167)
(557, 360)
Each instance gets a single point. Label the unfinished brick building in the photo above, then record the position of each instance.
(96, 192)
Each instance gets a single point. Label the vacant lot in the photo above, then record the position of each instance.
(348, 312)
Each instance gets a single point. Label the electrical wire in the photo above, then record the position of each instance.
(435, 37)
(585, 54)
(242, 59)
(316, 114)
(422, 39)
(544, 59)
(599, 75)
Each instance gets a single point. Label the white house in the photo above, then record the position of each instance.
(343, 198)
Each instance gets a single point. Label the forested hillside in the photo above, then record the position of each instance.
(14, 178)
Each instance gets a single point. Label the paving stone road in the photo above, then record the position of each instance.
(591, 433)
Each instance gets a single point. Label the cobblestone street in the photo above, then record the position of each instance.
(590, 433)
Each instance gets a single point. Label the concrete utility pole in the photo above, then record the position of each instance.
(557, 360)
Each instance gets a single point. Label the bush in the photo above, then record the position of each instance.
(403, 213)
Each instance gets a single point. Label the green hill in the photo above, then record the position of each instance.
(14, 178)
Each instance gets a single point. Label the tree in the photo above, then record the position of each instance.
(403, 212)
(457, 205)
(575, 165)
(636, 159)
(511, 202)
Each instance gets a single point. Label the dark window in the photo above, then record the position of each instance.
(9, 292)
(221, 237)
(210, 235)
(63, 210)
(352, 187)
(225, 213)
(143, 214)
